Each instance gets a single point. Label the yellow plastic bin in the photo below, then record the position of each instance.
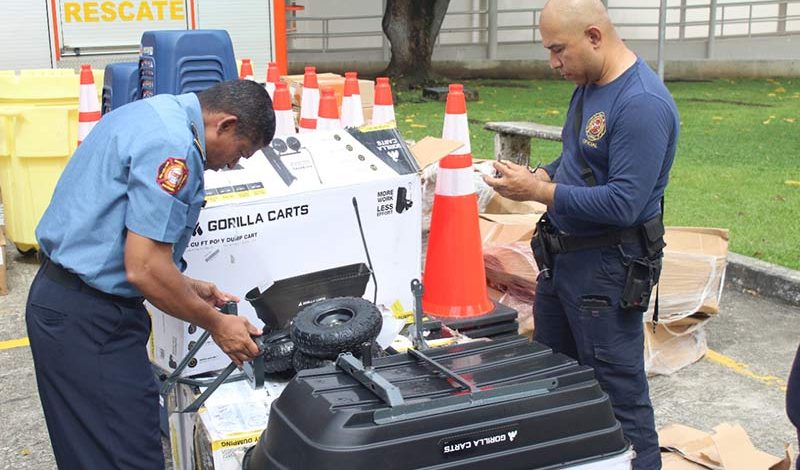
(38, 134)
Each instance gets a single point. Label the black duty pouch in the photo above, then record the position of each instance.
(642, 275)
(653, 235)
(540, 247)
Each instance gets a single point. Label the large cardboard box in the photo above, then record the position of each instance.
(231, 424)
(231, 420)
(693, 272)
(366, 88)
(301, 208)
(671, 346)
(690, 287)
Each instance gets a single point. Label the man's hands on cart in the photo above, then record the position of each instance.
(231, 333)
(149, 267)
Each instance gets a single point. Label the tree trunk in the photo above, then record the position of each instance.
(412, 27)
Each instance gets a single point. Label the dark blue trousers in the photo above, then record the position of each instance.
(577, 313)
(98, 392)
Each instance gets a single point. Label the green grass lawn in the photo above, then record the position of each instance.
(738, 160)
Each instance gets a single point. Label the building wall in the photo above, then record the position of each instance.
(24, 35)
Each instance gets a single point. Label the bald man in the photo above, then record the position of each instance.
(600, 244)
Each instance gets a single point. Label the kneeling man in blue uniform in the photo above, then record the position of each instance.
(114, 235)
(599, 246)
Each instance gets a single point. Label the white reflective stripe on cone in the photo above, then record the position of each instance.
(88, 101)
(327, 124)
(270, 87)
(352, 113)
(84, 128)
(382, 113)
(284, 123)
(454, 182)
(456, 128)
(310, 96)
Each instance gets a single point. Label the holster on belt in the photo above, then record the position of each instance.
(541, 246)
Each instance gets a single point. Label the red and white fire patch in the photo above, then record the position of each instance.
(596, 127)
(172, 174)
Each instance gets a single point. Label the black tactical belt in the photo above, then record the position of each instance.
(71, 281)
(558, 243)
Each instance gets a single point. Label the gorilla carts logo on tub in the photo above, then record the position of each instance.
(480, 442)
(596, 127)
(172, 174)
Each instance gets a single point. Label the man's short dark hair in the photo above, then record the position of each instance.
(249, 102)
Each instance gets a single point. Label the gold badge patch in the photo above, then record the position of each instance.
(172, 174)
(596, 127)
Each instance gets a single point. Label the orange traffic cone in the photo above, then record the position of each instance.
(246, 72)
(383, 109)
(309, 102)
(352, 111)
(455, 279)
(328, 113)
(273, 77)
(88, 104)
(284, 116)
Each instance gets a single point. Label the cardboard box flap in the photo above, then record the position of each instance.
(737, 452)
(501, 205)
(430, 150)
(698, 240)
(507, 228)
(729, 448)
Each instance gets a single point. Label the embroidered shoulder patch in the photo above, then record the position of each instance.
(172, 174)
(596, 127)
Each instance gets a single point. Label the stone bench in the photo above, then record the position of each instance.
(513, 139)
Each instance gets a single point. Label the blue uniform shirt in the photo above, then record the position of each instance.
(139, 169)
(628, 133)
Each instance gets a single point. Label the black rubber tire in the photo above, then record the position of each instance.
(304, 361)
(332, 326)
(278, 351)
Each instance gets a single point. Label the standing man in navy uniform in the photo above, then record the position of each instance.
(114, 235)
(600, 244)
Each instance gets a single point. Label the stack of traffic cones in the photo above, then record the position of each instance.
(328, 113)
(273, 77)
(309, 101)
(383, 109)
(246, 72)
(88, 104)
(284, 117)
(352, 111)
(455, 279)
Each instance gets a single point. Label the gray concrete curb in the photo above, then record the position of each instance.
(765, 279)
